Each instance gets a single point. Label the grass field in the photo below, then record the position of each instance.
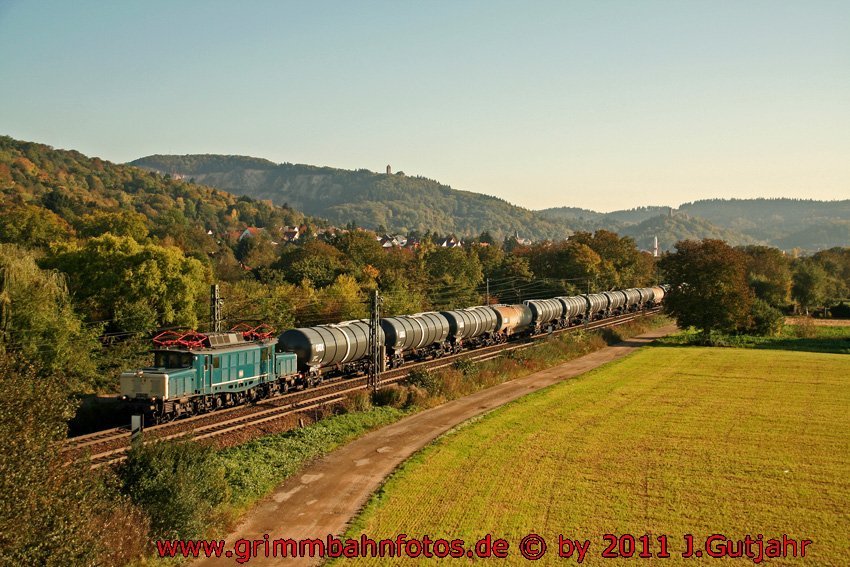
(669, 441)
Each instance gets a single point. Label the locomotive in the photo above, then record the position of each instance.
(198, 372)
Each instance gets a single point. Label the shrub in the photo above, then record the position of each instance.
(393, 395)
(765, 320)
(805, 328)
(464, 366)
(416, 397)
(358, 401)
(177, 483)
(424, 378)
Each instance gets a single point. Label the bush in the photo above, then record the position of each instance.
(53, 512)
(425, 379)
(464, 366)
(358, 401)
(765, 320)
(393, 396)
(805, 328)
(178, 484)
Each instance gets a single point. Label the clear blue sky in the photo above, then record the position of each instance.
(597, 104)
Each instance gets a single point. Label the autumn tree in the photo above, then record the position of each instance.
(573, 263)
(621, 264)
(708, 286)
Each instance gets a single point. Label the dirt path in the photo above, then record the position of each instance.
(327, 494)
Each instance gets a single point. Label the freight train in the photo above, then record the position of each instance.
(195, 372)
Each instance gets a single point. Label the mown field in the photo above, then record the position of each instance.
(672, 440)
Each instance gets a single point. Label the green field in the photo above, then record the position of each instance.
(672, 440)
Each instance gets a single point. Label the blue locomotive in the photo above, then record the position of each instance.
(194, 372)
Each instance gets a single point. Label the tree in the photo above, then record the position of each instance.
(621, 263)
(316, 262)
(709, 290)
(769, 274)
(453, 277)
(133, 286)
(38, 323)
(32, 226)
(55, 513)
(574, 263)
(810, 284)
(119, 223)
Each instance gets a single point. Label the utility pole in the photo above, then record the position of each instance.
(215, 309)
(375, 347)
(488, 292)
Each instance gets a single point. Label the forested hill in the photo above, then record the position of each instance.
(803, 223)
(398, 202)
(50, 196)
(784, 223)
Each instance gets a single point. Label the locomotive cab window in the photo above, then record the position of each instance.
(171, 359)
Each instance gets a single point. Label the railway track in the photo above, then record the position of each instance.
(110, 446)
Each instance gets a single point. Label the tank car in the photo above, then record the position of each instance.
(415, 336)
(658, 293)
(597, 305)
(511, 319)
(616, 302)
(632, 299)
(323, 349)
(575, 309)
(545, 314)
(472, 326)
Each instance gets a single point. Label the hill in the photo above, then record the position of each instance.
(49, 196)
(671, 229)
(398, 202)
(786, 223)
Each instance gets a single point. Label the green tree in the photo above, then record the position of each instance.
(343, 300)
(769, 274)
(810, 284)
(136, 287)
(316, 262)
(119, 223)
(257, 251)
(38, 323)
(32, 226)
(709, 290)
(453, 278)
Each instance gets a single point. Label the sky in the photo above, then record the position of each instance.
(597, 104)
